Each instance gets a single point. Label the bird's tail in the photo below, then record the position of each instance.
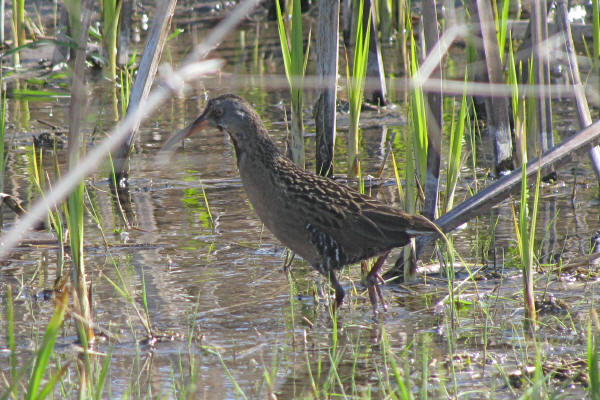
(421, 225)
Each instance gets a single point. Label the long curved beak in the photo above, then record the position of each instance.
(168, 149)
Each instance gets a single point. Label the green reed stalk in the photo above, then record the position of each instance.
(502, 26)
(410, 206)
(455, 149)
(519, 104)
(525, 232)
(592, 364)
(101, 379)
(18, 26)
(73, 8)
(124, 90)
(401, 195)
(10, 334)
(111, 11)
(2, 129)
(126, 80)
(473, 128)
(530, 121)
(74, 209)
(356, 87)
(53, 214)
(596, 31)
(416, 154)
(18, 31)
(403, 12)
(145, 300)
(512, 80)
(56, 222)
(74, 206)
(294, 60)
(417, 115)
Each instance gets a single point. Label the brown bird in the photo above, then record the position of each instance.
(328, 224)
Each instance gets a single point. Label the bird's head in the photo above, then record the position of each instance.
(229, 113)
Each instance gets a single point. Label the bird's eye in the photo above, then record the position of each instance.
(217, 112)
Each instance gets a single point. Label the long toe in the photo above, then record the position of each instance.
(373, 298)
(380, 295)
(373, 282)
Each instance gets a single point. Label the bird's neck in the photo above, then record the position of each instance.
(257, 149)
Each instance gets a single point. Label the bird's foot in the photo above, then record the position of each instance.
(336, 304)
(373, 282)
(339, 292)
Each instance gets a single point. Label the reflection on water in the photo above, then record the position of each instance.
(214, 276)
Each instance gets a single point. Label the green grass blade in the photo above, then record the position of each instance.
(36, 44)
(307, 52)
(46, 348)
(533, 216)
(283, 40)
(418, 118)
(33, 94)
(48, 387)
(297, 56)
(356, 86)
(512, 80)
(503, 27)
(294, 63)
(397, 177)
(3, 156)
(236, 386)
(10, 334)
(455, 148)
(176, 32)
(111, 12)
(592, 364)
(103, 375)
(596, 30)
(145, 300)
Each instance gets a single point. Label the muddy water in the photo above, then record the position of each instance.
(214, 278)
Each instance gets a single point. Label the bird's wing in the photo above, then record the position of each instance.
(370, 223)
(391, 220)
(351, 218)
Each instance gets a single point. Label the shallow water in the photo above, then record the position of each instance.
(218, 286)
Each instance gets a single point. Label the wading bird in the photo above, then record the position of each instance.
(326, 223)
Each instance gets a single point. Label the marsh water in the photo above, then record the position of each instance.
(229, 319)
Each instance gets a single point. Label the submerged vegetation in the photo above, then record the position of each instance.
(166, 285)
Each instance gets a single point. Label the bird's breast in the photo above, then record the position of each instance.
(274, 209)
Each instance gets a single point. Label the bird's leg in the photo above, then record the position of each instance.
(339, 290)
(373, 280)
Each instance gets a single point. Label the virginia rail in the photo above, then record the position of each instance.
(326, 223)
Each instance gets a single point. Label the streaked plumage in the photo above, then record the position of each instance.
(326, 223)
